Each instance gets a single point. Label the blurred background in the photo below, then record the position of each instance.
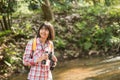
(87, 42)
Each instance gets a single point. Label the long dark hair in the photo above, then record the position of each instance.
(50, 28)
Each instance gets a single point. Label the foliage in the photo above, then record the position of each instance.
(3, 33)
(22, 8)
(60, 43)
(7, 7)
(96, 28)
(93, 35)
(11, 58)
(63, 7)
(114, 12)
(116, 29)
(22, 28)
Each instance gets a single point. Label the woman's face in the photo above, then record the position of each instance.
(44, 33)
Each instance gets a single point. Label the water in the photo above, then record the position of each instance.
(84, 69)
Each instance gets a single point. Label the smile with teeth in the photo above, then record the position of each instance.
(43, 34)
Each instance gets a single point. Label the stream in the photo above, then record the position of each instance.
(84, 69)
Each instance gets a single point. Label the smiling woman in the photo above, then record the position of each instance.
(40, 60)
(46, 30)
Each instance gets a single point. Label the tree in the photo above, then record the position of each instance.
(6, 9)
(107, 2)
(46, 8)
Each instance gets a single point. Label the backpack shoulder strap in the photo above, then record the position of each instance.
(34, 44)
(51, 45)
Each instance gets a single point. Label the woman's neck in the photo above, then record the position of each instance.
(42, 40)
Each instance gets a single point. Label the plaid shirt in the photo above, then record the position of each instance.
(38, 71)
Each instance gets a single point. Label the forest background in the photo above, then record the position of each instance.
(83, 28)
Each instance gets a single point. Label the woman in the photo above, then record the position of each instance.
(39, 60)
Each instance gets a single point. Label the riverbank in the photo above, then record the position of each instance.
(84, 69)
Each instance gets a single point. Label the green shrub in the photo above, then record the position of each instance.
(60, 43)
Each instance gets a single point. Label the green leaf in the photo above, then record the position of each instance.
(0, 17)
(87, 45)
(7, 63)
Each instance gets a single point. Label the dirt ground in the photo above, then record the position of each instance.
(92, 69)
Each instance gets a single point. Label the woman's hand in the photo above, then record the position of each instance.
(55, 63)
(54, 58)
(43, 57)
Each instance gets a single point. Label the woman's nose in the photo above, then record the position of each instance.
(43, 30)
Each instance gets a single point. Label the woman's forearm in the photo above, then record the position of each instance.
(54, 58)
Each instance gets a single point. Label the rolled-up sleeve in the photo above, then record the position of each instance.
(28, 55)
(51, 47)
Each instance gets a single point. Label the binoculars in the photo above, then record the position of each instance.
(52, 63)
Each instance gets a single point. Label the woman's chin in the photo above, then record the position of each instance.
(43, 37)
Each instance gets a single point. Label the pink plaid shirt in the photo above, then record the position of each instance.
(38, 71)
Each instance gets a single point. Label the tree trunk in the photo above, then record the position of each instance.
(2, 26)
(9, 22)
(8, 14)
(107, 2)
(5, 23)
(95, 2)
(6, 19)
(46, 8)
